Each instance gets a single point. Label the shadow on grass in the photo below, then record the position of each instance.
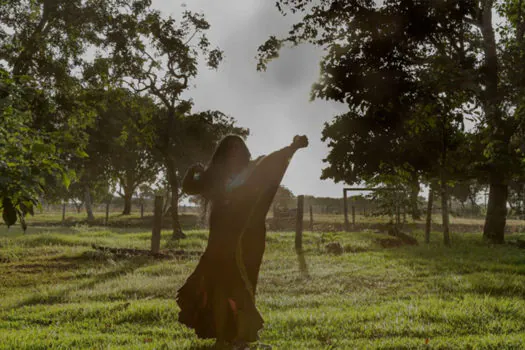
(303, 267)
(55, 297)
(469, 266)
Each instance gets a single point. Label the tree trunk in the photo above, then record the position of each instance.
(78, 206)
(445, 213)
(128, 194)
(167, 202)
(512, 210)
(430, 204)
(414, 194)
(518, 203)
(38, 36)
(522, 206)
(497, 204)
(443, 177)
(174, 185)
(495, 220)
(88, 203)
(129, 183)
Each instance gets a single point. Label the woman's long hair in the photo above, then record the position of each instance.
(217, 170)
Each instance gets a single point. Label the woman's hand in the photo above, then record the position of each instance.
(300, 142)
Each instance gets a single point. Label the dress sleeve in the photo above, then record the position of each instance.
(270, 169)
(261, 184)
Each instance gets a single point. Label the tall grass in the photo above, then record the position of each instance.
(56, 292)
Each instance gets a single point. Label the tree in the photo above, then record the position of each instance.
(42, 47)
(26, 157)
(118, 136)
(196, 137)
(516, 197)
(389, 44)
(396, 115)
(159, 56)
(283, 198)
(467, 191)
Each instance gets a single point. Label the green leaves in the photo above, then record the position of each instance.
(400, 67)
(29, 160)
(66, 178)
(9, 213)
(81, 153)
(62, 110)
(39, 148)
(267, 52)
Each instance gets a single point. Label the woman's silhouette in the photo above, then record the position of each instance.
(218, 299)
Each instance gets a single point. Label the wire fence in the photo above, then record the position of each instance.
(361, 214)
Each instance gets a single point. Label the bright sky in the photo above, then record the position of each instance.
(274, 105)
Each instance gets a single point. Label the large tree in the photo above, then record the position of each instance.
(194, 137)
(159, 56)
(380, 48)
(119, 140)
(42, 50)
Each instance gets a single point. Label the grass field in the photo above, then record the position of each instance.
(73, 217)
(58, 293)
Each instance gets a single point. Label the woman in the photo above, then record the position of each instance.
(218, 299)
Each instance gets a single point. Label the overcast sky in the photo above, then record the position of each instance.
(275, 104)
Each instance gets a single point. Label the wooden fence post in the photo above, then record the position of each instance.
(353, 216)
(107, 213)
(157, 224)
(345, 198)
(63, 213)
(311, 219)
(142, 210)
(299, 224)
(430, 203)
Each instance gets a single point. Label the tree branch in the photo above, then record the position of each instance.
(133, 87)
(520, 26)
(30, 46)
(474, 22)
(192, 36)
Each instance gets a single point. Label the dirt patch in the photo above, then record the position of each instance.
(389, 242)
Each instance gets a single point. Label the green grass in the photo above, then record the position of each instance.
(115, 219)
(189, 219)
(58, 293)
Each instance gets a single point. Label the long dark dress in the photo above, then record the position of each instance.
(218, 299)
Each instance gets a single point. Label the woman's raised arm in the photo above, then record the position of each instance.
(271, 168)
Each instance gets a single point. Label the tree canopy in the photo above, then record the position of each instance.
(411, 71)
(117, 115)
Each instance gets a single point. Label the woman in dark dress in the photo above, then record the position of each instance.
(218, 299)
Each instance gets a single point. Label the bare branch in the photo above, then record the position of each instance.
(191, 37)
(133, 87)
